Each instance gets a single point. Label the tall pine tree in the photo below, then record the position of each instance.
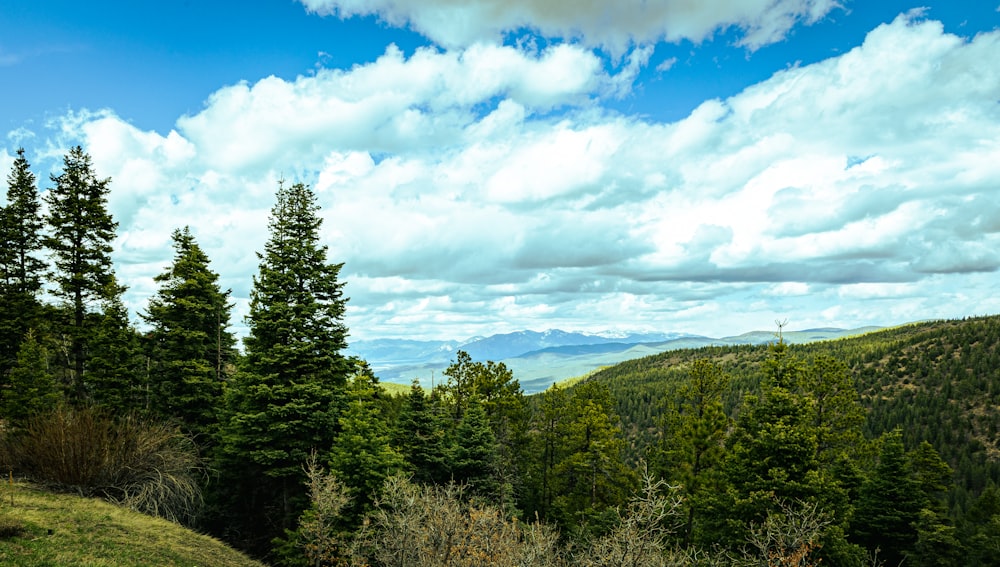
(21, 268)
(191, 349)
(80, 234)
(284, 402)
(694, 427)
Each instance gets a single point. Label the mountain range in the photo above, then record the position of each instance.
(541, 358)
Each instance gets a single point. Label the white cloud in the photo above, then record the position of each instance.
(613, 26)
(462, 203)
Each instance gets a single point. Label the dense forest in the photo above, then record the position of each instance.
(878, 449)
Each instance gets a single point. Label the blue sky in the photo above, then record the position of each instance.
(486, 167)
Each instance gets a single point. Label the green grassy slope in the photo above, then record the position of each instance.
(46, 529)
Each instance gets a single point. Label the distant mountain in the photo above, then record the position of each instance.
(539, 359)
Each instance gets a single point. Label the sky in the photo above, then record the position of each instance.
(483, 167)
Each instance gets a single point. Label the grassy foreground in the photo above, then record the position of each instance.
(43, 528)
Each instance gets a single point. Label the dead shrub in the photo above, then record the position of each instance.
(147, 466)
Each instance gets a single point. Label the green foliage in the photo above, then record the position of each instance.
(21, 269)
(79, 239)
(691, 451)
(362, 456)
(589, 475)
(116, 369)
(296, 303)
(190, 348)
(890, 504)
(284, 403)
(32, 389)
(492, 386)
(476, 461)
(979, 529)
(419, 434)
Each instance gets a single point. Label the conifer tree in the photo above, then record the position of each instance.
(493, 386)
(419, 435)
(80, 234)
(21, 268)
(116, 376)
(477, 461)
(190, 347)
(889, 508)
(32, 389)
(549, 427)
(591, 478)
(362, 456)
(283, 404)
(694, 428)
(296, 304)
(771, 456)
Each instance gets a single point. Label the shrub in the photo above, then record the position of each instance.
(436, 526)
(143, 465)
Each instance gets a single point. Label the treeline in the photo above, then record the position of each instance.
(743, 456)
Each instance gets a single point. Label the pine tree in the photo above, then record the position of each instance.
(591, 478)
(362, 456)
(694, 428)
(21, 269)
(549, 426)
(283, 404)
(889, 508)
(80, 234)
(297, 304)
(116, 376)
(771, 455)
(191, 349)
(32, 389)
(477, 460)
(492, 385)
(419, 435)
(838, 414)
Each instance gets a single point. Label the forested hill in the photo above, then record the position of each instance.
(936, 381)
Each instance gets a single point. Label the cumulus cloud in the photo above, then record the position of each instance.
(615, 26)
(513, 201)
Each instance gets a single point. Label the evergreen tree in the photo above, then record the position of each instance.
(591, 478)
(21, 269)
(937, 539)
(284, 403)
(980, 528)
(492, 385)
(476, 462)
(549, 425)
(80, 234)
(297, 304)
(694, 428)
(773, 461)
(362, 456)
(837, 413)
(420, 437)
(116, 373)
(32, 389)
(890, 504)
(191, 349)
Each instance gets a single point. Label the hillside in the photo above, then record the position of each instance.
(43, 528)
(936, 381)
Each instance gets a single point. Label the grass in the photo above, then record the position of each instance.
(48, 529)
